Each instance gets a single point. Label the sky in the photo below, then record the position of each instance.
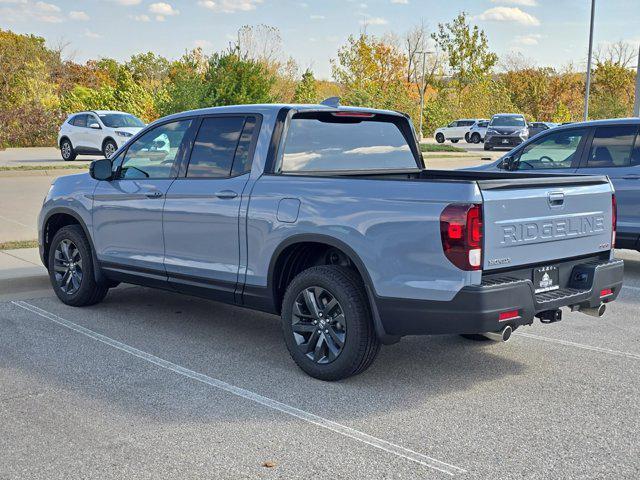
(549, 32)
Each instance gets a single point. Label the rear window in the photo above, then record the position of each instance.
(324, 142)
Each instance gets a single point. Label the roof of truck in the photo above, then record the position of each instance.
(276, 107)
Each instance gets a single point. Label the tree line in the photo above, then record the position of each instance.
(451, 69)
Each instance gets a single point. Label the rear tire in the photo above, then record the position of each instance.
(466, 137)
(342, 342)
(67, 151)
(71, 268)
(439, 138)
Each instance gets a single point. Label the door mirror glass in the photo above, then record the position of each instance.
(95, 126)
(100, 169)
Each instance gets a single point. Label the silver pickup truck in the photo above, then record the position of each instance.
(328, 217)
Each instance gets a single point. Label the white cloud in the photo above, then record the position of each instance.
(373, 21)
(400, 2)
(29, 11)
(203, 44)
(229, 6)
(80, 16)
(508, 14)
(128, 2)
(317, 17)
(163, 10)
(89, 34)
(140, 18)
(522, 3)
(531, 39)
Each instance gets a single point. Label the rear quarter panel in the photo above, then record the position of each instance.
(392, 226)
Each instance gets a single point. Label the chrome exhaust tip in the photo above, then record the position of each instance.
(595, 312)
(500, 336)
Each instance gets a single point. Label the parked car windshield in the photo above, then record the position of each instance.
(325, 142)
(120, 120)
(508, 121)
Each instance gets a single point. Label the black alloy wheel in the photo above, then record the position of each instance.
(319, 325)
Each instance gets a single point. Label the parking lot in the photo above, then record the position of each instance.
(151, 384)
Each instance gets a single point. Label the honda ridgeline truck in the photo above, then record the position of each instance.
(328, 217)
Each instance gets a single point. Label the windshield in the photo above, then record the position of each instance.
(119, 120)
(508, 121)
(324, 142)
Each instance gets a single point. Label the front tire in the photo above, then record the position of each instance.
(475, 137)
(487, 147)
(67, 151)
(454, 140)
(71, 268)
(327, 323)
(109, 148)
(439, 138)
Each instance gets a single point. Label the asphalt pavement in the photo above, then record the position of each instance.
(152, 384)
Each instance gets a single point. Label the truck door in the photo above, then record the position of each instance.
(127, 213)
(202, 209)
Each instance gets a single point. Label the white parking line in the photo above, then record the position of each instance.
(567, 343)
(6, 219)
(254, 397)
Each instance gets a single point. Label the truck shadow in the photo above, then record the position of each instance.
(246, 349)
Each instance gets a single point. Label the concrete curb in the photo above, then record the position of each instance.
(42, 173)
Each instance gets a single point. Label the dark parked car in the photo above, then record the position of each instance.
(539, 127)
(602, 147)
(506, 130)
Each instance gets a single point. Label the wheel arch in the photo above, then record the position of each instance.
(283, 267)
(63, 138)
(60, 217)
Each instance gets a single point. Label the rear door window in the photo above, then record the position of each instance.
(215, 147)
(325, 142)
(612, 147)
(80, 120)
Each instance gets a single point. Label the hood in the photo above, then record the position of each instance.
(131, 130)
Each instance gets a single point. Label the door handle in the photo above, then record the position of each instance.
(226, 194)
(632, 176)
(155, 194)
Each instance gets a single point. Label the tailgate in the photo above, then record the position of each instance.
(538, 220)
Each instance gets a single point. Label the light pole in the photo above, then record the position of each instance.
(588, 86)
(636, 105)
(422, 89)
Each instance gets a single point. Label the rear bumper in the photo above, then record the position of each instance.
(475, 309)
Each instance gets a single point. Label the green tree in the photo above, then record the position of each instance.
(231, 80)
(371, 72)
(307, 90)
(466, 48)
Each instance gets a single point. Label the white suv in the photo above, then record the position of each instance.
(455, 130)
(96, 132)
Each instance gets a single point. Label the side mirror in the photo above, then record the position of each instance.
(95, 126)
(505, 163)
(101, 169)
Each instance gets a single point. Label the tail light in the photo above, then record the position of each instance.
(614, 219)
(461, 233)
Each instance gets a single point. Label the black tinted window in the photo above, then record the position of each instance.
(242, 160)
(611, 146)
(215, 147)
(326, 143)
(80, 121)
(465, 123)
